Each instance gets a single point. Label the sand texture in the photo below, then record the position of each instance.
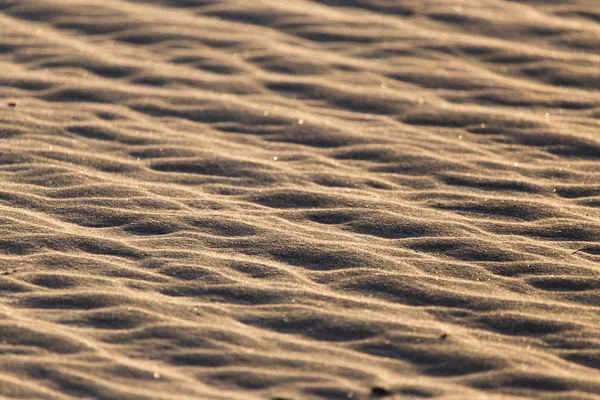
(299, 199)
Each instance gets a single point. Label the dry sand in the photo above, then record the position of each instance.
(326, 199)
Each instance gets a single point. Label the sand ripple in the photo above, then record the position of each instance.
(317, 199)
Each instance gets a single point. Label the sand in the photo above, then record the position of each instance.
(326, 199)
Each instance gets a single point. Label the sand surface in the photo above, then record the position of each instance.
(326, 199)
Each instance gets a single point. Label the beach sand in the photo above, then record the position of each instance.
(326, 199)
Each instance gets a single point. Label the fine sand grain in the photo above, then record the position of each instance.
(299, 199)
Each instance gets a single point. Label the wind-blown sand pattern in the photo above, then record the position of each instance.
(324, 199)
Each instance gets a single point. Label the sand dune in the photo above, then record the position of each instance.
(326, 199)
